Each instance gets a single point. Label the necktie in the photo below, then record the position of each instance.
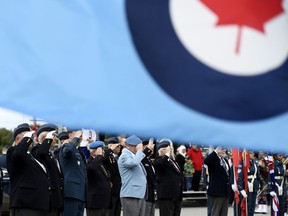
(224, 165)
(174, 165)
(55, 161)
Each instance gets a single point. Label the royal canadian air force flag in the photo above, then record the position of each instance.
(202, 71)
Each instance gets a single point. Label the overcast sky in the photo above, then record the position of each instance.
(10, 119)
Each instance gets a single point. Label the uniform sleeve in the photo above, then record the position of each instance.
(70, 147)
(131, 162)
(240, 180)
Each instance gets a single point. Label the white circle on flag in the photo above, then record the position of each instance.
(215, 46)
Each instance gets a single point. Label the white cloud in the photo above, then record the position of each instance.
(10, 119)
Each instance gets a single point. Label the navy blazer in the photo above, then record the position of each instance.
(42, 153)
(219, 183)
(73, 165)
(151, 176)
(29, 183)
(99, 188)
(169, 178)
(110, 163)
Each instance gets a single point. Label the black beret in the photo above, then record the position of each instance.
(145, 141)
(46, 128)
(113, 140)
(21, 128)
(163, 144)
(63, 135)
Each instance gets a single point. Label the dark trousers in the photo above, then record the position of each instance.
(26, 212)
(251, 202)
(196, 180)
(116, 206)
(219, 206)
(209, 206)
(169, 207)
(73, 207)
(97, 212)
(55, 212)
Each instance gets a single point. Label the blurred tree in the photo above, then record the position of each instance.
(5, 137)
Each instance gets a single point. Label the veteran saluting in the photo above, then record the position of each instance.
(28, 177)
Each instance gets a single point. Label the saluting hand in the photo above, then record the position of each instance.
(78, 134)
(139, 147)
(99, 151)
(113, 146)
(151, 144)
(29, 134)
(50, 135)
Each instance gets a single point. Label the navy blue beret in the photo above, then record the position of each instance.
(113, 140)
(20, 128)
(63, 135)
(47, 128)
(97, 144)
(133, 140)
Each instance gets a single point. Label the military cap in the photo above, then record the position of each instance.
(21, 128)
(46, 128)
(163, 144)
(145, 141)
(97, 144)
(113, 140)
(133, 140)
(63, 136)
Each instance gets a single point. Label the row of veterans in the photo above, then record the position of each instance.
(57, 182)
(247, 180)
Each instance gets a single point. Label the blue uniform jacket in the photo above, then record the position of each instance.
(73, 165)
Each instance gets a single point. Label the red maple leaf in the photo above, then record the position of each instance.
(249, 13)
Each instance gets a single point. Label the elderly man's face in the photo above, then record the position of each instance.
(221, 152)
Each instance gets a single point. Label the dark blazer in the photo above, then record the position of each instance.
(28, 181)
(73, 166)
(180, 159)
(98, 190)
(169, 179)
(41, 152)
(219, 185)
(151, 177)
(1, 186)
(110, 163)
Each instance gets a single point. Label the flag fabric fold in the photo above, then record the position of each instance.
(104, 65)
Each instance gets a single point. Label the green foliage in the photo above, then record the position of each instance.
(5, 137)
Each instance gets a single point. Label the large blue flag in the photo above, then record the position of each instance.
(201, 71)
